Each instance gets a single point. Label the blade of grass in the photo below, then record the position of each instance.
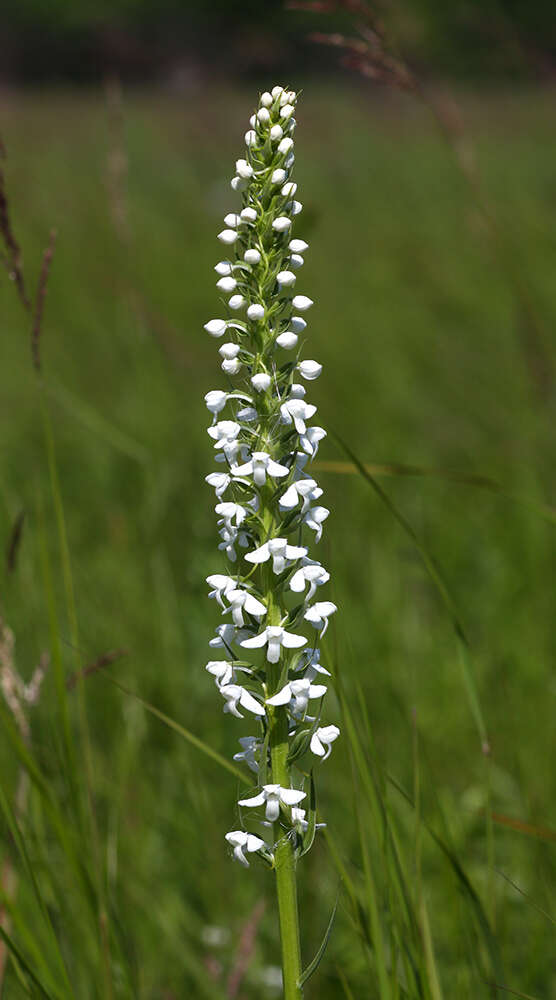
(420, 471)
(313, 966)
(44, 992)
(185, 733)
(102, 915)
(97, 424)
(19, 842)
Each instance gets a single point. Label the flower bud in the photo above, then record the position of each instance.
(236, 302)
(284, 278)
(309, 369)
(302, 302)
(261, 382)
(228, 236)
(288, 340)
(281, 224)
(226, 284)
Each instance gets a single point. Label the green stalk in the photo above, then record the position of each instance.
(285, 864)
(284, 857)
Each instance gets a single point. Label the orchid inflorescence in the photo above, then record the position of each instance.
(267, 504)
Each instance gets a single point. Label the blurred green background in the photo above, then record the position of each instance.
(431, 265)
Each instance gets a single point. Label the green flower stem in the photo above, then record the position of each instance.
(285, 864)
(284, 857)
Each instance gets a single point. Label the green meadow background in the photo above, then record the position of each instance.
(435, 307)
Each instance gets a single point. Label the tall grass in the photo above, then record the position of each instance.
(439, 856)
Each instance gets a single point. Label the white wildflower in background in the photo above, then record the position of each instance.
(267, 509)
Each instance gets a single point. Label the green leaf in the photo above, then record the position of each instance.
(313, 966)
(309, 834)
(299, 744)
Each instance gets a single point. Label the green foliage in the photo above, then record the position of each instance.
(429, 361)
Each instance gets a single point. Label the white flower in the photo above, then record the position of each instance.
(216, 400)
(296, 261)
(288, 189)
(228, 236)
(266, 99)
(286, 111)
(261, 381)
(241, 842)
(298, 819)
(240, 601)
(309, 369)
(278, 176)
(251, 745)
(285, 279)
(302, 302)
(298, 246)
(250, 137)
(252, 256)
(285, 145)
(247, 414)
(318, 615)
(263, 116)
(271, 796)
(224, 267)
(279, 550)
(231, 511)
(255, 311)
(230, 536)
(226, 284)
(226, 635)
(323, 738)
(297, 391)
(288, 340)
(236, 302)
(228, 351)
(248, 214)
(298, 324)
(274, 637)
(311, 573)
(310, 663)
(235, 695)
(244, 169)
(305, 490)
(311, 439)
(220, 481)
(280, 225)
(297, 411)
(232, 220)
(314, 518)
(238, 184)
(216, 327)
(277, 91)
(221, 670)
(276, 132)
(260, 464)
(297, 695)
(295, 207)
(225, 434)
(220, 584)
